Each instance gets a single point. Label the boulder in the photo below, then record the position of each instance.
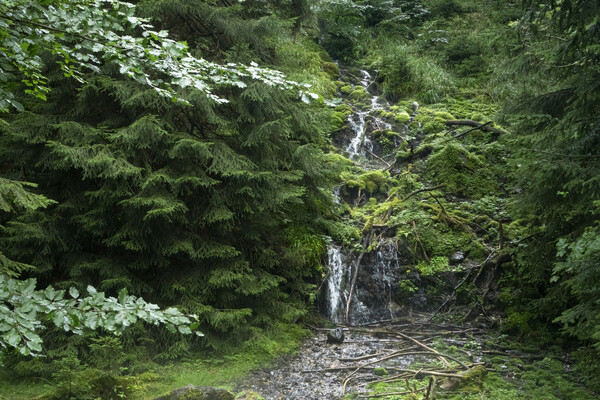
(335, 336)
(191, 392)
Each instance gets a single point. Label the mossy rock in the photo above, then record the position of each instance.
(338, 119)
(344, 108)
(380, 371)
(346, 89)
(191, 392)
(249, 395)
(331, 69)
(436, 125)
(473, 378)
(464, 173)
(339, 84)
(479, 117)
(358, 93)
(402, 117)
(444, 115)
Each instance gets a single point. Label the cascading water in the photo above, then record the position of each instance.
(372, 299)
(360, 143)
(336, 282)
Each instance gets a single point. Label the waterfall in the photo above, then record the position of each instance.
(337, 280)
(372, 301)
(357, 121)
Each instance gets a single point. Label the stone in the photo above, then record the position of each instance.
(249, 395)
(457, 257)
(191, 392)
(335, 336)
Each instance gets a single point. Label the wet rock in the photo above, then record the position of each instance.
(457, 257)
(191, 392)
(335, 336)
(249, 395)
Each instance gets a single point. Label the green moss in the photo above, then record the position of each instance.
(331, 69)
(435, 125)
(402, 117)
(380, 371)
(344, 108)
(444, 115)
(358, 94)
(463, 173)
(339, 84)
(249, 395)
(346, 89)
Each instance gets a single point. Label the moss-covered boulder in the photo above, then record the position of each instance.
(191, 392)
(331, 69)
(249, 395)
(346, 89)
(359, 93)
(402, 117)
(464, 173)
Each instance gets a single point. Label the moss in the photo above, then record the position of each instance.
(444, 115)
(339, 84)
(402, 117)
(331, 69)
(249, 395)
(346, 89)
(358, 94)
(479, 117)
(344, 108)
(473, 378)
(463, 173)
(435, 125)
(380, 371)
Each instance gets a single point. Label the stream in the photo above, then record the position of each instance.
(380, 335)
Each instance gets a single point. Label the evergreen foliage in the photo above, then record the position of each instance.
(215, 208)
(556, 114)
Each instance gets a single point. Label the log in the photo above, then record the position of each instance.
(479, 125)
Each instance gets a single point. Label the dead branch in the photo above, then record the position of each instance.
(389, 394)
(379, 158)
(423, 190)
(467, 122)
(366, 242)
(442, 356)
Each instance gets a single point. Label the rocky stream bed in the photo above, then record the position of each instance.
(382, 353)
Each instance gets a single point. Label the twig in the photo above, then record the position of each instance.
(389, 394)
(423, 190)
(442, 356)
(484, 127)
(379, 158)
(453, 293)
(366, 242)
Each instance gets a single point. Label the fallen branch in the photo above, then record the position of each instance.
(366, 242)
(389, 394)
(442, 356)
(467, 122)
(423, 190)
(420, 372)
(380, 159)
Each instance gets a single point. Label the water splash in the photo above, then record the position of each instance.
(375, 285)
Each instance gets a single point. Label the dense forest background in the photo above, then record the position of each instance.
(216, 197)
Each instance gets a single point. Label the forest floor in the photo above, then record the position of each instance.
(417, 359)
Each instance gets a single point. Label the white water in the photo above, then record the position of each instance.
(360, 144)
(336, 296)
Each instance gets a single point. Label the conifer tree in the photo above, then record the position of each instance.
(207, 206)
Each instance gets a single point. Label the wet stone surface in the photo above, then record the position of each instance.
(318, 370)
